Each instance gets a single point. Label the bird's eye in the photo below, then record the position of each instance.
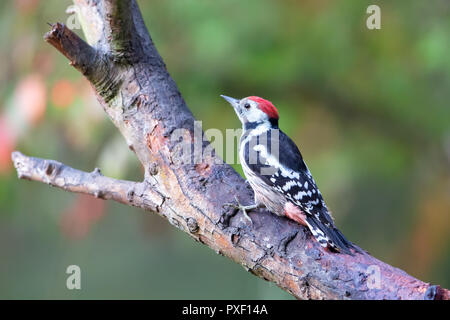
(247, 105)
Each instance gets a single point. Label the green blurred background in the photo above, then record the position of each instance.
(370, 110)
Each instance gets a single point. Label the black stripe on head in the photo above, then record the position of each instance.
(251, 125)
(274, 123)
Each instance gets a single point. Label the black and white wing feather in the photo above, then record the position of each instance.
(287, 173)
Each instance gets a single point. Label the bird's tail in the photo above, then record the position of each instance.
(330, 236)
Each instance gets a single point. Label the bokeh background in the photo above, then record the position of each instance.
(370, 110)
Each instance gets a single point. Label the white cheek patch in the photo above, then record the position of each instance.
(256, 115)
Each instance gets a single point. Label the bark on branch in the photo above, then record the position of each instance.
(56, 174)
(143, 101)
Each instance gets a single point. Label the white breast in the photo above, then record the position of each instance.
(264, 194)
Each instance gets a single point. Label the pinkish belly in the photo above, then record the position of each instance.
(295, 213)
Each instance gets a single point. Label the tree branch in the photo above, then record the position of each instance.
(81, 55)
(119, 27)
(144, 103)
(59, 175)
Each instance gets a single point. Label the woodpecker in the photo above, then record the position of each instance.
(280, 179)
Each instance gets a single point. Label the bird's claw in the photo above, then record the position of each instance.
(242, 208)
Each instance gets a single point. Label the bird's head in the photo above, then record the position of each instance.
(254, 111)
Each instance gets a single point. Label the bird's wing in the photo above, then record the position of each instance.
(280, 165)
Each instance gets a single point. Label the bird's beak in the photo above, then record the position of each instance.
(234, 102)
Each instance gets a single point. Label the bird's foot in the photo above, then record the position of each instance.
(244, 209)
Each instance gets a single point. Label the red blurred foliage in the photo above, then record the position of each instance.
(63, 93)
(26, 6)
(31, 98)
(431, 233)
(7, 145)
(77, 220)
(43, 63)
